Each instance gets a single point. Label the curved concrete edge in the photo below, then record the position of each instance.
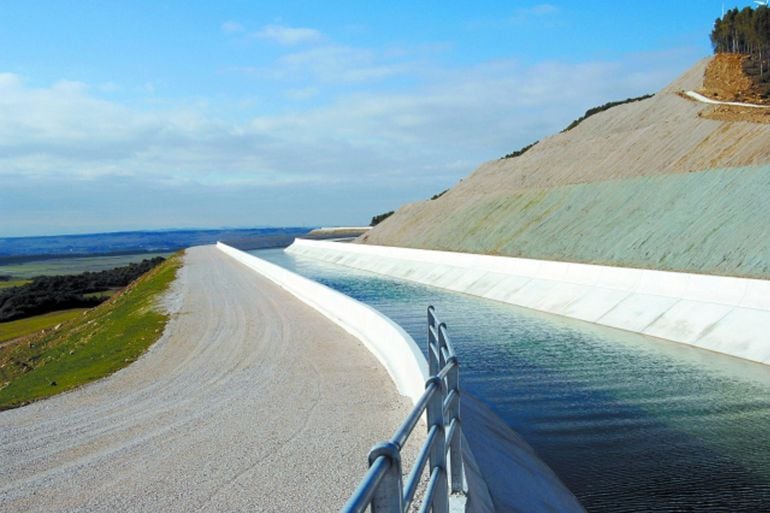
(704, 99)
(399, 354)
(719, 313)
(391, 345)
(480, 501)
(386, 340)
(502, 465)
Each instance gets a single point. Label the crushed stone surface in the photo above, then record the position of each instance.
(251, 401)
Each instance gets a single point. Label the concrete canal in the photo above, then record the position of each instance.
(629, 423)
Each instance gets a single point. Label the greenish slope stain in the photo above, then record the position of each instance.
(715, 222)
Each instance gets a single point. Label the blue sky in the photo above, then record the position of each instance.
(153, 114)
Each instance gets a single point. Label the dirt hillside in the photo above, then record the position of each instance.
(725, 80)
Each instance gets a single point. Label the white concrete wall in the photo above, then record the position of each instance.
(719, 313)
(389, 343)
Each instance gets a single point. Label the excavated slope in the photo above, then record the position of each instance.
(647, 184)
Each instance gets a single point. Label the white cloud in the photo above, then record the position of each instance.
(301, 94)
(416, 140)
(468, 114)
(542, 9)
(463, 115)
(109, 87)
(529, 14)
(335, 63)
(64, 130)
(289, 36)
(332, 64)
(232, 27)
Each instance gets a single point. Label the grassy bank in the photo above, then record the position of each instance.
(12, 283)
(95, 344)
(23, 327)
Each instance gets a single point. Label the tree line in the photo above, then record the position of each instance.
(380, 218)
(46, 294)
(745, 31)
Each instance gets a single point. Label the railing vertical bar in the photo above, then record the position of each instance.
(441, 345)
(433, 366)
(383, 488)
(388, 495)
(414, 476)
(455, 441)
(431, 492)
(447, 338)
(433, 354)
(438, 450)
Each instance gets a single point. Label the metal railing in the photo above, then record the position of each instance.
(383, 487)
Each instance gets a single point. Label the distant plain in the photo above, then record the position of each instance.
(76, 265)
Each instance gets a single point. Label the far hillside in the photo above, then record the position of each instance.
(25, 249)
(665, 182)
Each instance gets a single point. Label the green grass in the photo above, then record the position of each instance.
(13, 283)
(96, 344)
(103, 294)
(23, 327)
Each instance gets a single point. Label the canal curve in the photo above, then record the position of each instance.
(628, 422)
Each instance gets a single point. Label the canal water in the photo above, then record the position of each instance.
(629, 423)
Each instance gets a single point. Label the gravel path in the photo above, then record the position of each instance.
(251, 401)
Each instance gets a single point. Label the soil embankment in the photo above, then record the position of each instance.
(726, 79)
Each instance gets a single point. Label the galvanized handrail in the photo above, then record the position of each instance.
(383, 487)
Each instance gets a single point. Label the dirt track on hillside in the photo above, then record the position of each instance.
(251, 401)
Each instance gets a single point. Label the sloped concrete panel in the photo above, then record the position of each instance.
(719, 313)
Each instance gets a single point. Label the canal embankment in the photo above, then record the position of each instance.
(725, 314)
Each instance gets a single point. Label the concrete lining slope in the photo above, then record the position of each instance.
(723, 314)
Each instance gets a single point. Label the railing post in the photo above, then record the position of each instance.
(437, 456)
(383, 488)
(455, 444)
(433, 367)
(388, 497)
(441, 328)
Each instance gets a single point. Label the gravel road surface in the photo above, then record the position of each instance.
(251, 401)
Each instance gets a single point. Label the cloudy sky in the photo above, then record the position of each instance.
(159, 114)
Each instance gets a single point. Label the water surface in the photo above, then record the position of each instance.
(629, 423)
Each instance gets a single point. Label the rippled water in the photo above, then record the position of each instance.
(629, 423)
